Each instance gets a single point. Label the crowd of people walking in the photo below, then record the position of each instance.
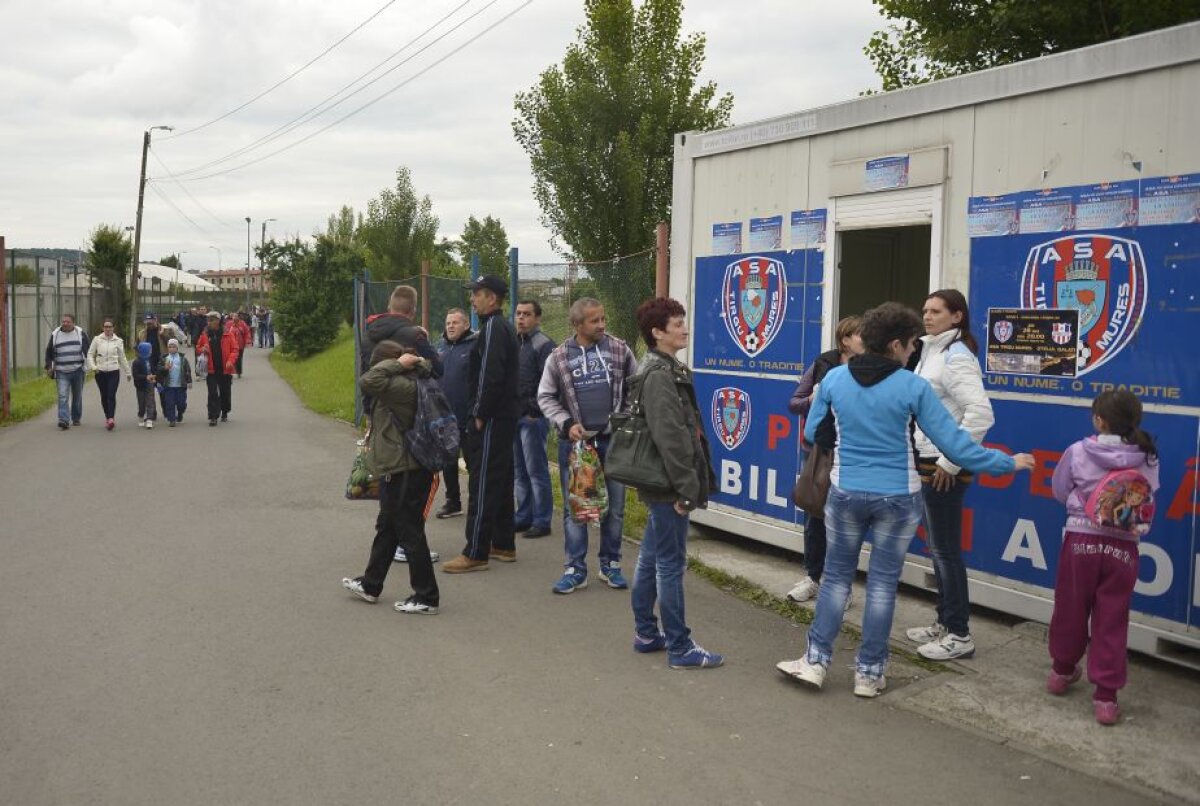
(160, 371)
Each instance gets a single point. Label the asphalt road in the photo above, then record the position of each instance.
(173, 631)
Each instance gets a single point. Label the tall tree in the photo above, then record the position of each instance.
(487, 239)
(311, 291)
(932, 39)
(399, 231)
(109, 257)
(344, 225)
(599, 128)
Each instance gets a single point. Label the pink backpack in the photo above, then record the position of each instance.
(1123, 500)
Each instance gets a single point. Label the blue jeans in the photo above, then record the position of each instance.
(174, 402)
(531, 469)
(943, 524)
(70, 383)
(892, 521)
(610, 525)
(659, 577)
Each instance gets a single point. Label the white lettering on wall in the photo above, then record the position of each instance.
(1024, 543)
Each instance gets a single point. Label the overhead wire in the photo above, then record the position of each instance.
(285, 80)
(183, 187)
(367, 105)
(322, 107)
(162, 195)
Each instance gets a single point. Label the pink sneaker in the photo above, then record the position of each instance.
(109, 424)
(1107, 712)
(1057, 684)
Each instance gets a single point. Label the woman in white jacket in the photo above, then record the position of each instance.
(106, 357)
(948, 362)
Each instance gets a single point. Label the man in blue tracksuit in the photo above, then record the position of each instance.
(458, 340)
(874, 485)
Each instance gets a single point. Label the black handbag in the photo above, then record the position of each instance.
(812, 485)
(633, 458)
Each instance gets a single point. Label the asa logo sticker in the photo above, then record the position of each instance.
(754, 300)
(731, 415)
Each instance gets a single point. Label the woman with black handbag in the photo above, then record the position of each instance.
(665, 392)
(849, 342)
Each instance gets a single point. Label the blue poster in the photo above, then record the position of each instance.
(1048, 210)
(1109, 205)
(755, 442)
(1137, 294)
(766, 234)
(1012, 525)
(886, 173)
(1170, 200)
(758, 313)
(989, 216)
(808, 229)
(727, 238)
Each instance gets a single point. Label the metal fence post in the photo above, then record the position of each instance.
(4, 324)
(358, 286)
(514, 283)
(662, 277)
(474, 276)
(425, 295)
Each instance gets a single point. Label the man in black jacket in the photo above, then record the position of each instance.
(493, 409)
(458, 341)
(535, 498)
(397, 325)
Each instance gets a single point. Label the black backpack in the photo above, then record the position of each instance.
(433, 438)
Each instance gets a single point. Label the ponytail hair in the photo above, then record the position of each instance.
(1121, 411)
(955, 302)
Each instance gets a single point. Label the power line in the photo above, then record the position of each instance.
(370, 103)
(162, 195)
(292, 75)
(320, 108)
(183, 187)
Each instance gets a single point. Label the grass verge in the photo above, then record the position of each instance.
(29, 398)
(742, 588)
(323, 382)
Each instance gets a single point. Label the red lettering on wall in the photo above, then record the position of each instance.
(968, 529)
(991, 482)
(778, 427)
(1184, 502)
(1044, 463)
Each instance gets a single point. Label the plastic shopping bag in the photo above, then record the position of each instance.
(587, 494)
(361, 486)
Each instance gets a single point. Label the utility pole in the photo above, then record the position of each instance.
(262, 286)
(137, 233)
(247, 263)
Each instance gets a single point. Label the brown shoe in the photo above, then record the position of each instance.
(462, 564)
(503, 555)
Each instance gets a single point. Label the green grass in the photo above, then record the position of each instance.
(324, 382)
(29, 397)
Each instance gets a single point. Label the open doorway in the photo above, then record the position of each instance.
(887, 264)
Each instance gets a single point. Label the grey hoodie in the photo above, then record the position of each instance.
(1082, 467)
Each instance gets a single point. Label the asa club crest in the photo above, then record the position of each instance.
(754, 300)
(1102, 277)
(731, 415)
(1003, 330)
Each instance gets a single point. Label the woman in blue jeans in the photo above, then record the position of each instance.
(668, 398)
(875, 486)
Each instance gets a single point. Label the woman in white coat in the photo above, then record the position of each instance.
(106, 357)
(949, 363)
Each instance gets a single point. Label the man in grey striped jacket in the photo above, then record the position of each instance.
(65, 354)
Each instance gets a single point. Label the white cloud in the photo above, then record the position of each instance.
(82, 79)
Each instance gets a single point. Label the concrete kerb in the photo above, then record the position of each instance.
(999, 695)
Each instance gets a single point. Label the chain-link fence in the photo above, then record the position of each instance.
(621, 284)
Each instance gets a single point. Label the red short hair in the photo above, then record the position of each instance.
(655, 313)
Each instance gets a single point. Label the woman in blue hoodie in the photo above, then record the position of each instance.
(875, 486)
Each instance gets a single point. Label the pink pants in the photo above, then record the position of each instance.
(1095, 582)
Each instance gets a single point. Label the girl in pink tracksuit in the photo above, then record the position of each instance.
(1107, 483)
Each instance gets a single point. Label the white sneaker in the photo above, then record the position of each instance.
(923, 635)
(355, 586)
(868, 686)
(804, 590)
(948, 647)
(811, 673)
(149, 423)
(141, 423)
(401, 557)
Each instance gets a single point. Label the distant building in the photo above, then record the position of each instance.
(236, 279)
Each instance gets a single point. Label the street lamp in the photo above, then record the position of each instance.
(218, 256)
(137, 235)
(178, 268)
(262, 246)
(247, 263)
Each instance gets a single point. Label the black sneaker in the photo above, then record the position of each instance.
(212, 423)
(413, 605)
(537, 531)
(64, 426)
(76, 423)
(225, 418)
(449, 510)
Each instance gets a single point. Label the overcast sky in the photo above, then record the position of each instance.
(80, 80)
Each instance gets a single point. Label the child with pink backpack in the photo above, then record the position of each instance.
(1107, 483)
